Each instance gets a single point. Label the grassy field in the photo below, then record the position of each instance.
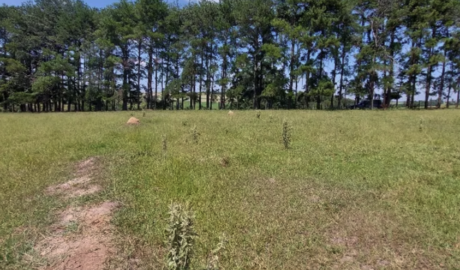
(356, 189)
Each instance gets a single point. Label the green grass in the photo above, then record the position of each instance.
(355, 189)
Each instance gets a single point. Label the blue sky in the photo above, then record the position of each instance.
(93, 3)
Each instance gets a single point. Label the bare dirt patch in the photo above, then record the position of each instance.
(82, 237)
(89, 247)
(88, 190)
(81, 184)
(86, 166)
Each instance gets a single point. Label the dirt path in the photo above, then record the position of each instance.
(81, 185)
(82, 238)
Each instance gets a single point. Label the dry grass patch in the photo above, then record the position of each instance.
(308, 225)
(377, 239)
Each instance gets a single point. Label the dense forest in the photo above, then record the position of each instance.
(62, 55)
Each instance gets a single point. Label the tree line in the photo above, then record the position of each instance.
(62, 55)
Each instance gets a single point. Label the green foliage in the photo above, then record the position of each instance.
(272, 51)
(44, 84)
(181, 237)
(254, 52)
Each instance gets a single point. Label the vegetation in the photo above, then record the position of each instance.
(58, 55)
(354, 190)
(180, 238)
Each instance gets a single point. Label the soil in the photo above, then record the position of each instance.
(87, 249)
(82, 237)
(133, 121)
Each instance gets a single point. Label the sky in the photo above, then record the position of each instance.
(92, 3)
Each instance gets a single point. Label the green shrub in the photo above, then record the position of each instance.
(181, 237)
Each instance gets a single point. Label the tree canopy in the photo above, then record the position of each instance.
(58, 55)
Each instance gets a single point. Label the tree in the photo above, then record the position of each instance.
(60, 55)
(254, 19)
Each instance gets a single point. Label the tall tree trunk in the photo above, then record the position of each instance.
(156, 81)
(372, 90)
(408, 97)
(125, 86)
(441, 86)
(69, 91)
(255, 85)
(100, 86)
(3, 76)
(256, 78)
(208, 82)
(193, 85)
(190, 105)
(414, 90)
(291, 68)
(162, 80)
(318, 96)
(296, 92)
(167, 74)
(429, 72)
(307, 79)
(224, 78)
(448, 96)
(201, 79)
(428, 86)
(334, 74)
(78, 84)
(458, 95)
(83, 93)
(139, 59)
(392, 71)
(412, 78)
(150, 76)
(342, 71)
(212, 90)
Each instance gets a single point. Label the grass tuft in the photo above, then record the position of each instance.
(286, 134)
(195, 134)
